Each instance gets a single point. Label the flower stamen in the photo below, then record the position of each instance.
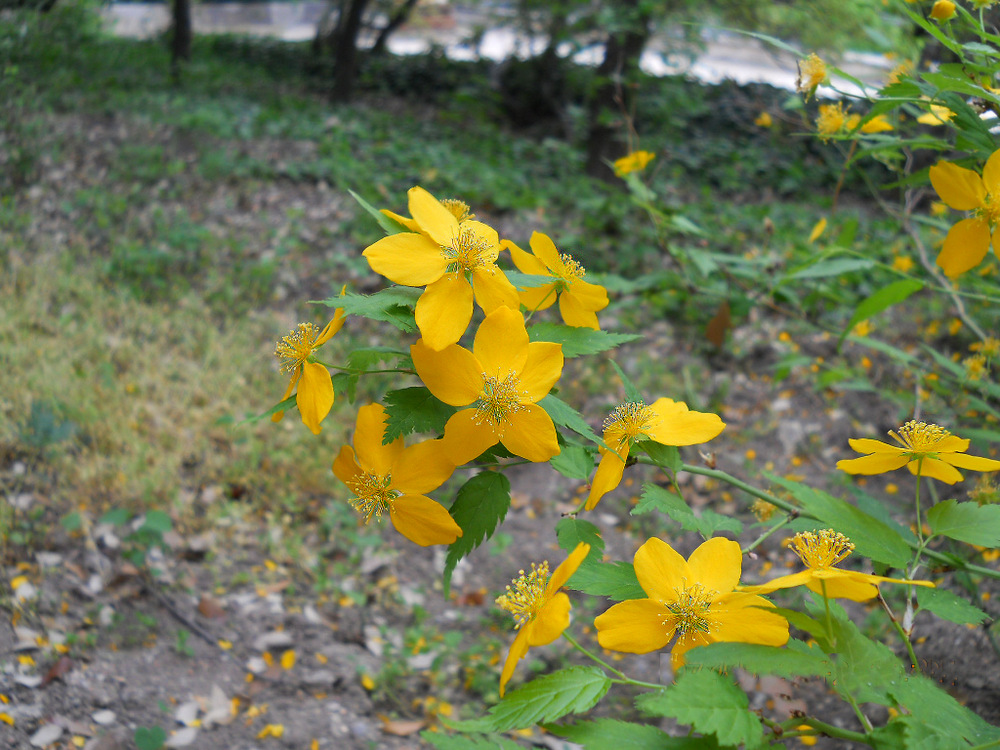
(920, 438)
(374, 495)
(626, 423)
(823, 549)
(689, 613)
(499, 399)
(572, 270)
(526, 594)
(459, 209)
(295, 349)
(468, 251)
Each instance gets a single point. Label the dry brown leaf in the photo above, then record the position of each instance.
(209, 607)
(61, 668)
(401, 727)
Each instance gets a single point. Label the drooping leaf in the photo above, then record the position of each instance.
(710, 703)
(573, 461)
(414, 410)
(481, 504)
(707, 524)
(390, 226)
(924, 699)
(881, 300)
(565, 415)
(393, 305)
(825, 268)
(949, 606)
(968, 522)
(622, 735)
(863, 668)
(761, 660)
(577, 342)
(286, 405)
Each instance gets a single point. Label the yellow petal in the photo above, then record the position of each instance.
(331, 329)
(525, 262)
(530, 434)
(539, 297)
(517, 651)
(935, 469)
(661, 570)
(952, 444)
(574, 314)
(487, 237)
(465, 439)
(433, 218)
(345, 468)
(550, 622)
(493, 289)
(501, 343)
(591, 296)
(716, 564)
(958, 187)
(991, 173)
(838, 584)
(405, 221)
(965, 246)
(423, 521)
(973, 463)
(444, 310)
(541, 370)
(422, 467)
(867, 445)
(277, 416)
(745, 618)
(567, 568)
(634, 626)
(802, 578)
(674, 424)
(877, 463)
(315, 395)
(817, 230)
(685, 643)
(372, 456)
(608, 477)
(453, 374)
(407, 258)
(545, 250)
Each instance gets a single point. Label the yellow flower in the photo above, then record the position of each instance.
(832, 119)
(314, 396)
(817, 230)
(938, 115)
(541, 611)
(666, 422)
(988, 347)
(634, 162)
(502, 379)
(455, 260)
(693, 599)
(925, 449)
(579, 300)
(943, 10)
(764, 120)
(820, 552)
(460, 209)
(902, 263)
(969, 240)
(975, 367)
(878, 124)
(393, 479)
(812, 72)
(901, 70)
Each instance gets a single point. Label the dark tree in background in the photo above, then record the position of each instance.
(180, 36)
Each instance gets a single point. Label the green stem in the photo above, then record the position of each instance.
(539, 305)
(916, 494)
(756, 542)
(914, 665)
(857, 712)
(623, 679)
(829, 621)
(828, 729)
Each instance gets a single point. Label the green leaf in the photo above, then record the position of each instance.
(578, 342)
(707, 524)
(391, 226)
(923, 698)
(573, 461)
(949, 606)
(710, 703)
(761, 660)
(881, 300)
(824, 268)
(615, 580)
(565, 415)
(968, 522)
(393, 305)
(343, 382)
(571, 531)
(286, 405)
(667, 456)
(149, 738)
(443, 741)
(156, 521)
(631, 392)
(414, 410)
(621, 735)
(545, 699)
(116, 517)
(480, 506)
(72, 521)
(371, 357)
(864, 669)
(528, 280)
(871, 537)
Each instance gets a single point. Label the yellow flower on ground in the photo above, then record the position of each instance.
(812, 72)
(694, 599)
(943, 10)
(817, 230)
(925, 449)
(393, 479)
(764, 120)
(579, 300)
(541, 611)
(820, 552)
(832, 119)
(938, 115)
(969, 240)
(634, 162)
(455, 260)
(503, 378)
(975, 367)
(314, 396)
(878, 124)
(665, 421)
(988, 347)
(902, 263)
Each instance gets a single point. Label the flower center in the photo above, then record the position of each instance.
(626, 423)
(294, 349)
(823, 549)
(690, 611)
(526, 594)
(990, 210)
(812, 72)
(374, 495)
(920, 438)
(459, 209)
(572, 270)
(468, 252)
(831, 120)
(499, 399)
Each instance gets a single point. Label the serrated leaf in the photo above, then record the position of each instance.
(968, 522)
(667, 456)
(547, 698)
(390, 226)
(923, 698)
(393, 305)
(368, 358)
(443, 741)
(286, 405)
(479, 507)
(414, 410)
(343, 382)
(571, 531)
(524, 281)
(949, 606)
(871, 537)
(577, 342)
(622, 735)
(631, 392)
(761, 660)
(881, 300)
(615, 580)
(565, 415)
(863, 669)
(707, 524)
(573, 461)
(710, 703)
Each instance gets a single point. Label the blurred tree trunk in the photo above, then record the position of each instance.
(180, 36)
(342, 43)
(614, 93)
(397, 19)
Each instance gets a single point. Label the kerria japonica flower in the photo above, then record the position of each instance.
(691, 599)
(664, 421)
(925, 449)
(633, 162)
(812, 72)
(454, 258)
(579, 300)
(392, 479)
(968, 241)
(314, 397)
(501, 381)
(820, 553)
(540, 609)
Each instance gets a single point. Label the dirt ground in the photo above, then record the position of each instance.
(138, 670)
